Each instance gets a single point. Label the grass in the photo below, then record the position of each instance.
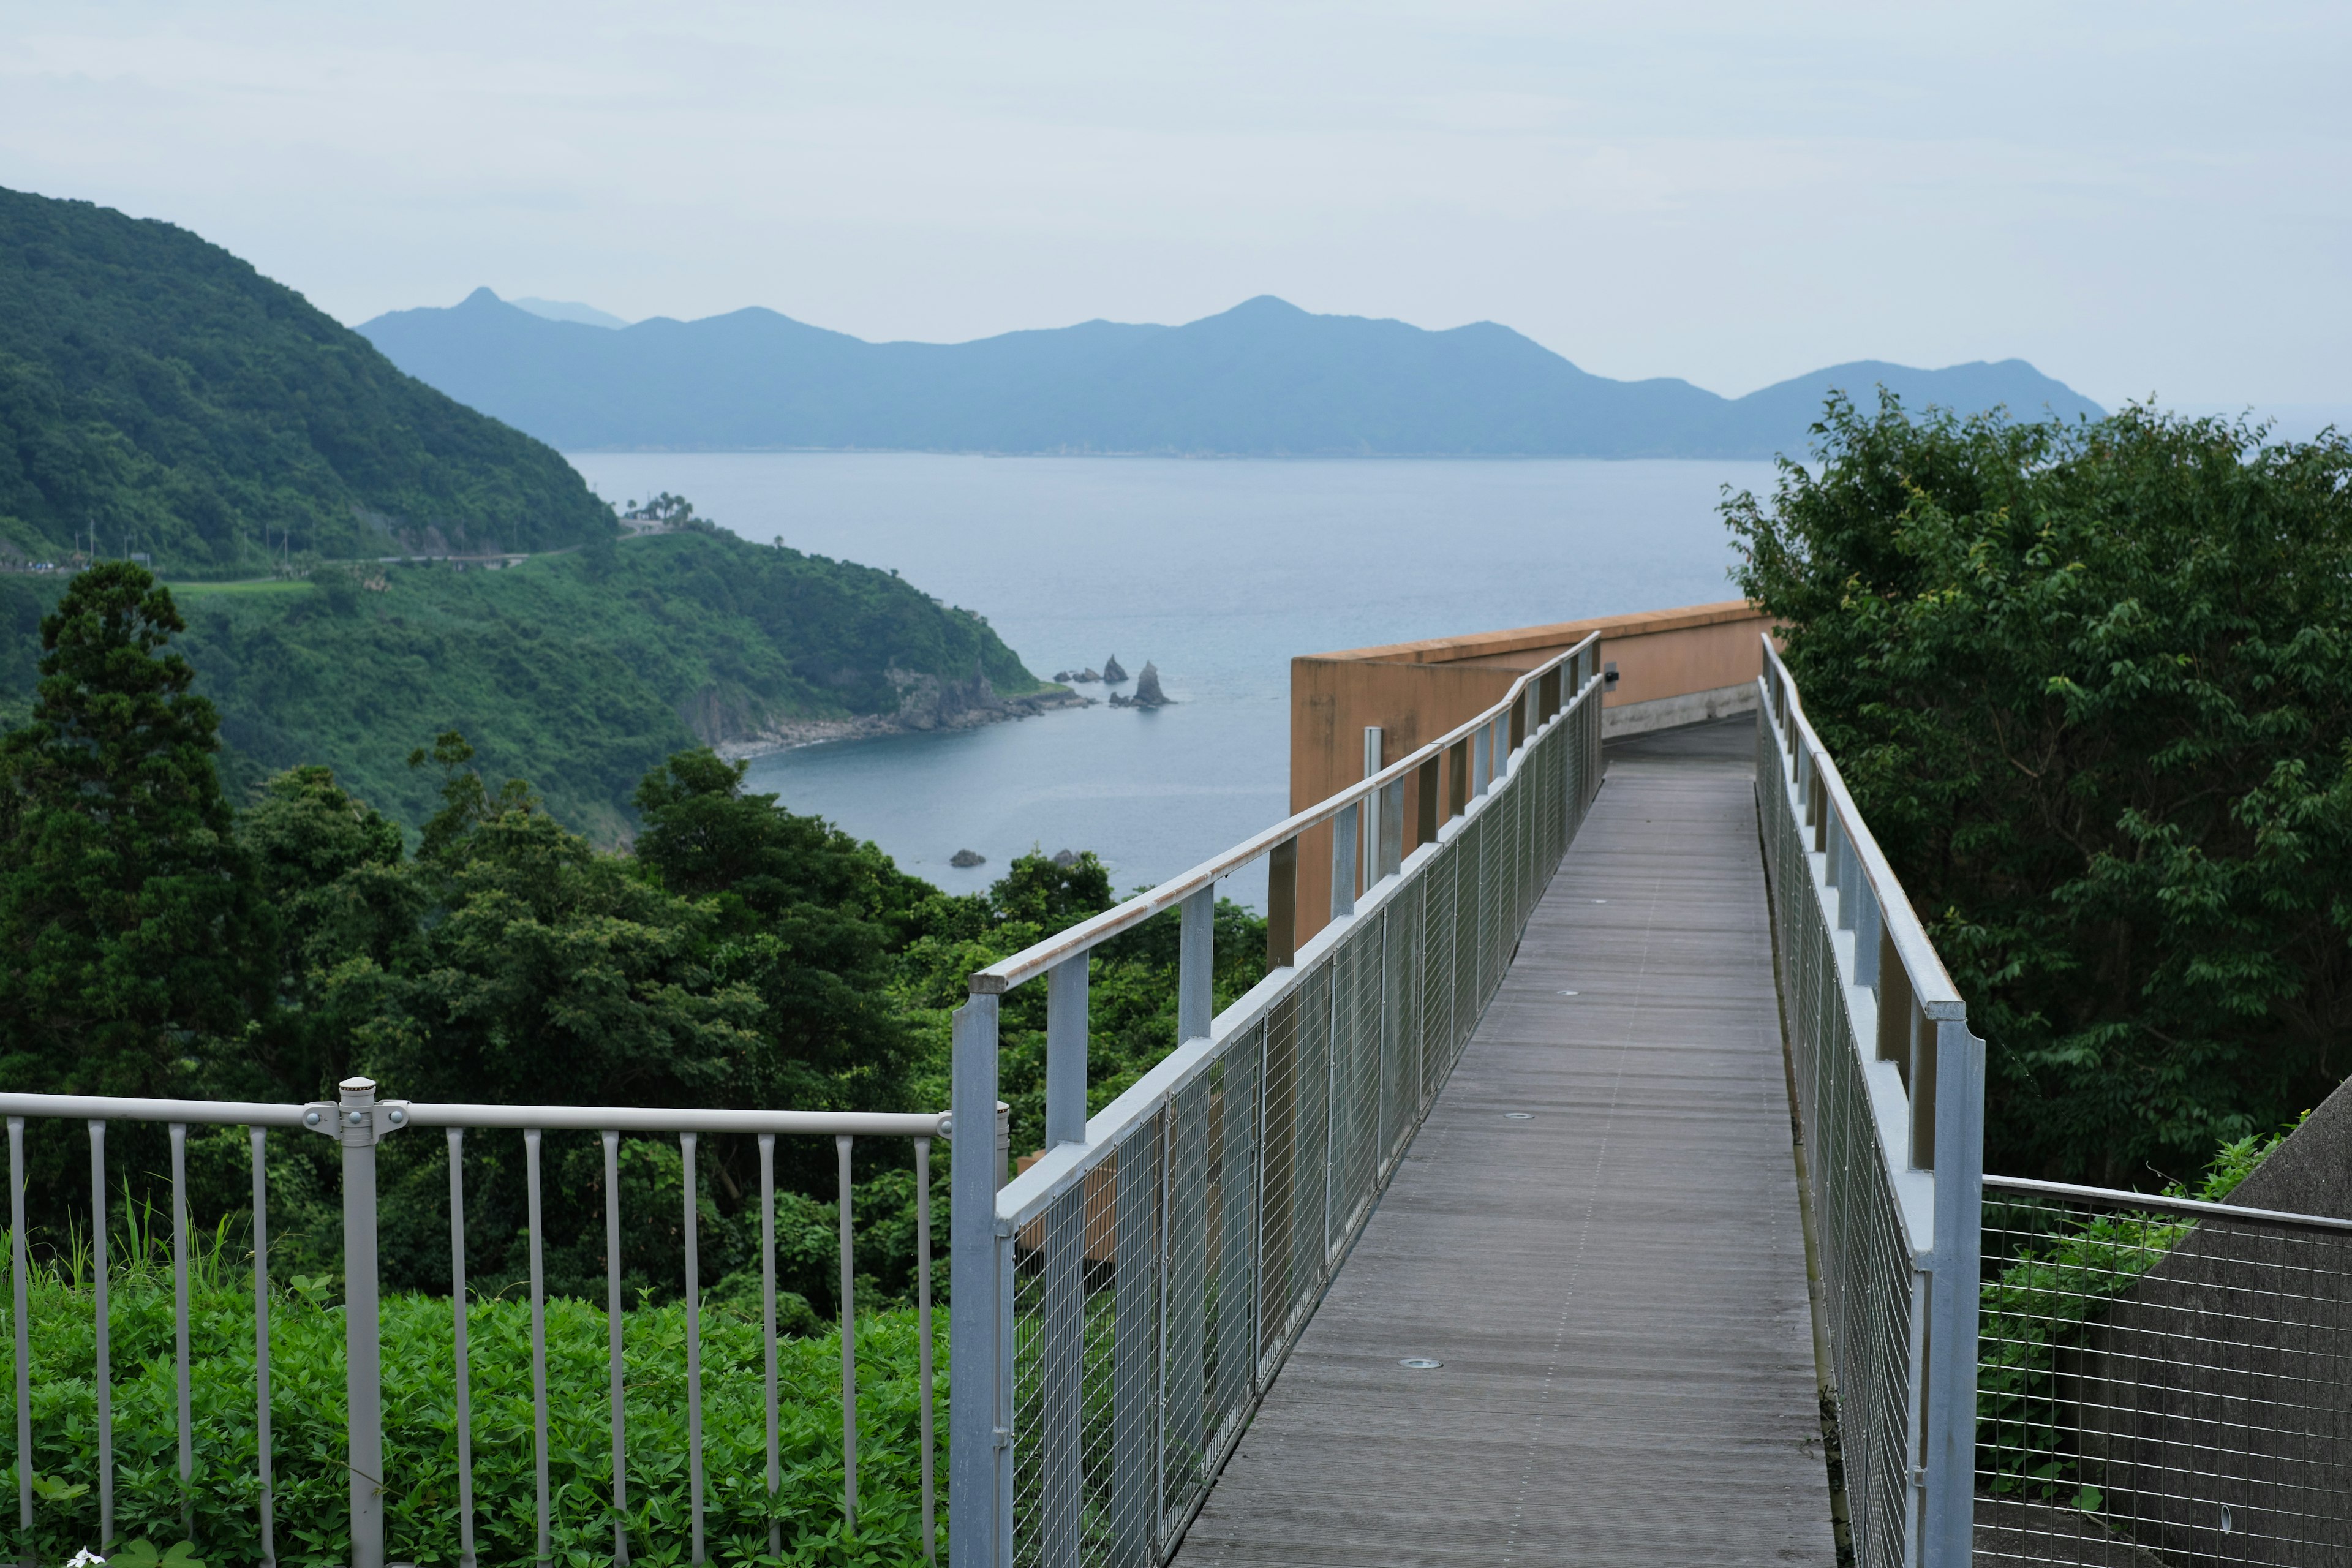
(310, 1448)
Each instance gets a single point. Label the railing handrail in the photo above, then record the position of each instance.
(1040, 956)
(520, 1117)
(2160, 1203)
(358, 1122)
(1931, 985)
(1064, 1165)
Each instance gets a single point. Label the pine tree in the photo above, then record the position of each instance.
(129, 920)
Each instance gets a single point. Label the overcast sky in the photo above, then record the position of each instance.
(2141, 198)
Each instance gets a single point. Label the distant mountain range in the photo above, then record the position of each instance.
(1263, 379)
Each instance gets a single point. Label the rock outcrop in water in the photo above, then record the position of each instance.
(965, 859)
(1111, 673)
(1147, 691)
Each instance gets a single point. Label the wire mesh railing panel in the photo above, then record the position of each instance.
(1438, 974)
(1088, 1289)
(2176, 1380)
(1493, 890)
(1401, 1024)
(1297, 1179)
(1191, 1255)
(1232, 1333)
(1469, 938)
(1357, 993)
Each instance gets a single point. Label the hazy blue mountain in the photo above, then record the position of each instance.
(1263, 378)
(568, 311)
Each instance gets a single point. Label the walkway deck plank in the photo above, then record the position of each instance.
(1616, 1286)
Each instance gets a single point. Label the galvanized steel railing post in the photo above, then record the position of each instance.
(1345, 835)
(979, 1450)
(923, 1351)
(462, 1367)
(615, 1378)
(258, 1137)
(24, 1310)
(768, 1335)
(355, 1130)
(1196, 966)
(1950, 1423)
(104, 1327)
(687, 1143)
(1066, 1052)
(180, 1352)
(539, 1437)
(841, 1144)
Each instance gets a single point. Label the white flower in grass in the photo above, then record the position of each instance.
(85, 1559)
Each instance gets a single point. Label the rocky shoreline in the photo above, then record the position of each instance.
(926, 705)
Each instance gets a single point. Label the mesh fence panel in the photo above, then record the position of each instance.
(1086, 1358)
(2181, 1382)
(1438, 971)
(1356, 1026)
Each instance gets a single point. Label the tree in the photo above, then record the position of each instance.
(129, 928)
(800, 912)
(2092, 687)
(348, 908)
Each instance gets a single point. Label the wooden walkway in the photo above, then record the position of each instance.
(1615, 1284)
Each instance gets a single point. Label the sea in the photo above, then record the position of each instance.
(1217, 570)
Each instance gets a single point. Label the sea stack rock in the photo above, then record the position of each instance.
(964, 859)
(1111, 673)
(1147, 687)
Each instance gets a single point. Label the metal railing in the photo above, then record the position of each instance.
(358, 1124)
(1120, 1309)
(1890, 1098)
(2162, 1380)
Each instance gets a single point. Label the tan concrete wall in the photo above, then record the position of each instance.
(1417, 691)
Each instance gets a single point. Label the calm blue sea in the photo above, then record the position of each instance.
(1217, 570)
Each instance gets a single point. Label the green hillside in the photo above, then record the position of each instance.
(579, 672)
(157, 389)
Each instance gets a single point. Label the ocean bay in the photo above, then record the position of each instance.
(1219, 572)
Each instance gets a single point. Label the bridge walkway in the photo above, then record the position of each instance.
(1597, 1233)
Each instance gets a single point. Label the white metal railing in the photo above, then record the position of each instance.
(358, 1123)
(1890, 1090)
(1120, 1309)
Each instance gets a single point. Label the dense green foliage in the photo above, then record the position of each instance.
(579, 672)
(157, 389)
(312, 1486)
(2092, 686)
(127, 915)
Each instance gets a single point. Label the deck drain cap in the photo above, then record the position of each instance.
(1421, 1363)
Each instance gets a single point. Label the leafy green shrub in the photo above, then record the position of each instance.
(308, 1443)
(2092, 686)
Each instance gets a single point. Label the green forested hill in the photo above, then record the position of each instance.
(579, 672)
(157, 389)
